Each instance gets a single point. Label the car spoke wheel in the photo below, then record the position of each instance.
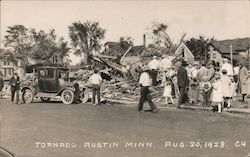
(27, 96)
(67, 96)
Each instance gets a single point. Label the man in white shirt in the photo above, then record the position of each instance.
(145, 82)
(154, 66)
(95, 80)
(228, 67)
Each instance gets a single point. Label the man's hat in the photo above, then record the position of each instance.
(154, 57)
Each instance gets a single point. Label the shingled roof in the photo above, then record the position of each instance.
(238, 45)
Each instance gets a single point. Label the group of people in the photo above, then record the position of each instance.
(194, 82)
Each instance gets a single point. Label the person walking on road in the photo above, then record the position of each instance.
(183, 83)
(15, 87)
(95, 80)
(145, 82)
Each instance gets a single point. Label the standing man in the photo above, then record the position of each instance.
(95, 80)
(1, 85)
(145, 82)
(183, 83)
(243, 86)
(15, 86)
(153, 66)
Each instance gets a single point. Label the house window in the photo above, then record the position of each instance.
(4, 63)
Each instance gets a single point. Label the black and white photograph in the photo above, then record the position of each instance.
(143, 78)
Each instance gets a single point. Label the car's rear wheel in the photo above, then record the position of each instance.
(45, 99)
(67, 96)
(27, 96)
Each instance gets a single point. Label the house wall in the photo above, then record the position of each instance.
(7, 66)
(184, 52)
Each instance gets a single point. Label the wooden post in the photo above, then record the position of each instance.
(231, 53)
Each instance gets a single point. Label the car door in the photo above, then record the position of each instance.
(51, 81)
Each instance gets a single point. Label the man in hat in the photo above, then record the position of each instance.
(15, 86)
(153, 66)
(95, 80)
(145, 82)
(228, 67)
(183, 83)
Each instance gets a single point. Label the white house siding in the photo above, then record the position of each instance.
(183, 52)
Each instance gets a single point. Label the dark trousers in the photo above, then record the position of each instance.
(96, 92)
(154, 76)
(13, 92)
(206, 97)
(145, 96)
(183, 95)
(173, 88)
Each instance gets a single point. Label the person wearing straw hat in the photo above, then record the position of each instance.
(154, 66)
(145, 82)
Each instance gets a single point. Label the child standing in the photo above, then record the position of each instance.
(194, 90)
(216, 96)
(167, 91)
(227, 86)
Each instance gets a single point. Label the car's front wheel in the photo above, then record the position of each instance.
(27, 96)
(67, 96)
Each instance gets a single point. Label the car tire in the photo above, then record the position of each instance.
(27, 96)
(67, 96)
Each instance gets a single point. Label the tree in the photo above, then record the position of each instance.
(85, 38)
(126, 42)
(199, 47)
(18, 40)
(162, 39)
(48, 46)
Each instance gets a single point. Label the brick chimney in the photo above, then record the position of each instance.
(144, 40)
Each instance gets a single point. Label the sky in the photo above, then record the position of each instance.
(219, 19)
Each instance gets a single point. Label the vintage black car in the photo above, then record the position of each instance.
(53, 82)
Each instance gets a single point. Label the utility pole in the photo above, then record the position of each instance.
(231, 53)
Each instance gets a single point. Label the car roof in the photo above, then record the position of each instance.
(52, 67)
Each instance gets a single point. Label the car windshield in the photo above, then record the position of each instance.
(63, 74)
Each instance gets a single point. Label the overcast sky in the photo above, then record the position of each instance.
(221, 19)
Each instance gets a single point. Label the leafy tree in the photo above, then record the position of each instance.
(18, 40)
(85, 38)
(199, 47)
(126, 42)
(48, 45)
(162, 39)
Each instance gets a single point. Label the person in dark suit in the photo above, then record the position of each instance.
(1, 85)
(15, 86)
(183, 82)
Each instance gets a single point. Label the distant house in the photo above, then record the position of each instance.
(183, 52)
(9, 63)
(221, 49)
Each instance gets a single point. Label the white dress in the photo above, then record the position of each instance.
(167, 90)
(216, 95)
(227, 86)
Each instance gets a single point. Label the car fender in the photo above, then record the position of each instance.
(34, 91)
